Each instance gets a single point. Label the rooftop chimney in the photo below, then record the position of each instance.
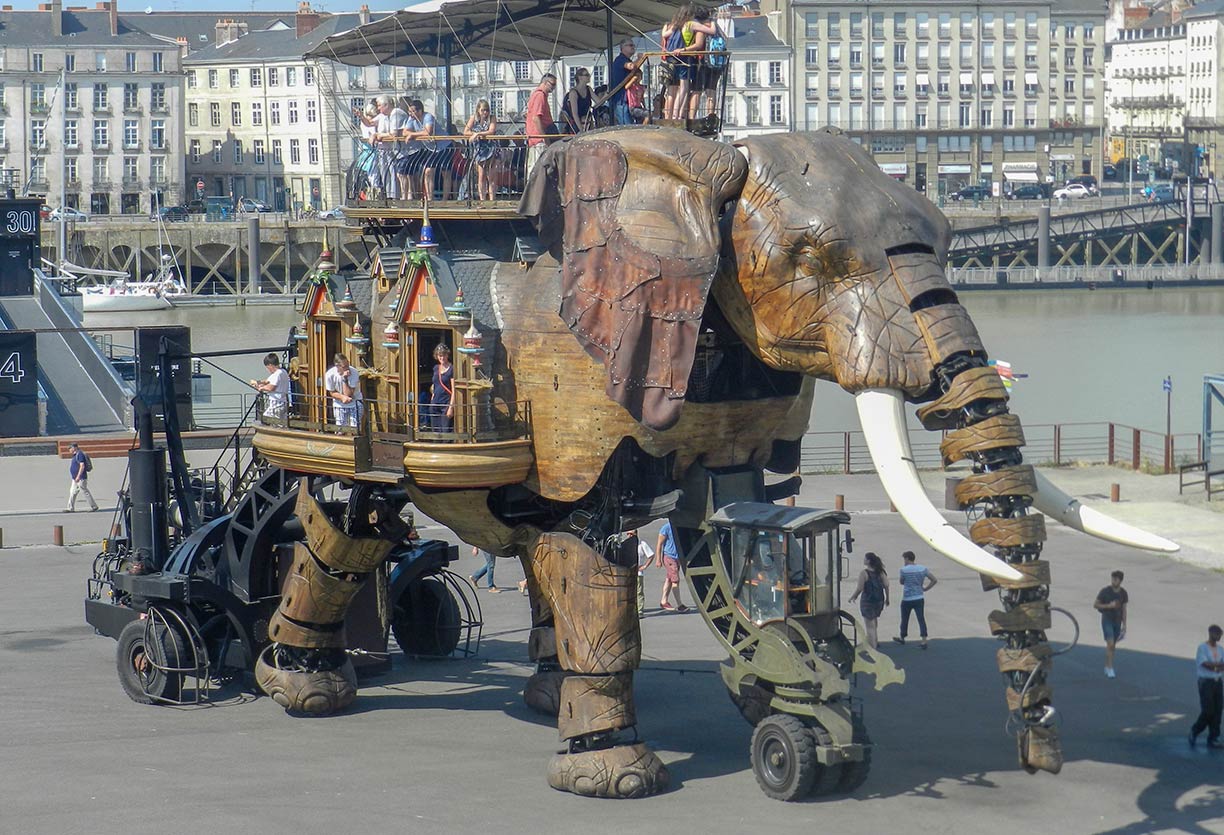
(227, 30)
(307, 19)
(363, 14)
(113, 8)
(57, 19)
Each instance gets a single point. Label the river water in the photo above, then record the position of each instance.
(1089, 355)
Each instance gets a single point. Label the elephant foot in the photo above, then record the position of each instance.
(318, 692)
(1040, 749)
(622, 771)
(542, 693)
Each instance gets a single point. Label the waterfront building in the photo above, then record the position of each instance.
(110, 136)
(1164, 88)
(952, 94)
(760, 65)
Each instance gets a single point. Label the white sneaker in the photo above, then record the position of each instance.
(1109, 672)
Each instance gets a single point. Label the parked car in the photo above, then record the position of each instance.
(1028, 191)
(1072, 191)
(250, 204)
(972, 193)
(1109, 172)
(67, 213)
(1163, 193)
(195, 207)
(170, 214)
(44, 212)
(332, 214)
(1086, 180)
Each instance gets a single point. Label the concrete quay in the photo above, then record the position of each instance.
(448, 746)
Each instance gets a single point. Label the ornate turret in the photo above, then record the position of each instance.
(458, 312)
(391, 336)
(472, 345)
(346, 304)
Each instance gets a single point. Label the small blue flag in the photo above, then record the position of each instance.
(1168, 384)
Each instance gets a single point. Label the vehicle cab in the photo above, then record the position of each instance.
(783, 562)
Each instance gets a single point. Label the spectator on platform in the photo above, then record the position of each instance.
(577, 102)
(343, 386)
(479, 128)
(622, 68)
(275, 389)
(540, 124)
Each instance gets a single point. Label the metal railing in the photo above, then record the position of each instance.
(1045, 443)
(1091, 277)
(470, 423)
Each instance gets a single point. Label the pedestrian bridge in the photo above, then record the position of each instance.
(1132, 235)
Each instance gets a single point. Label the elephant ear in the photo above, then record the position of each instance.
(636, 214)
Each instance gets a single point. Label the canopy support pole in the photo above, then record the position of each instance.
(446, 57)
(611, 56)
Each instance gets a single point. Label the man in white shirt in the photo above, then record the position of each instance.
(916, 581)
(343, 386)
(1209, 664)
(275, 389)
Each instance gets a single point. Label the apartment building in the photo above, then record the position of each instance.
(760, 67)
(946, 95)
(1164, 89)
(90, 108)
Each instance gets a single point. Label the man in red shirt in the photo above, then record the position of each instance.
(539, 119)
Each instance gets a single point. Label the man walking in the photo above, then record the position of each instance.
(78, 468)
(916, 581)
(539, 119)
(1209, 662)
(669, 560)
(1111, 603)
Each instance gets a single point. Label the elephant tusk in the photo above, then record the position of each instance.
(1067, 509)
(882, 416)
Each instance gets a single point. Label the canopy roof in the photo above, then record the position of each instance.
(435, 33)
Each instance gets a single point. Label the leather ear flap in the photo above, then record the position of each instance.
(640, 247)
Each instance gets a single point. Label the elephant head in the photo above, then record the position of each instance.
(823, 265)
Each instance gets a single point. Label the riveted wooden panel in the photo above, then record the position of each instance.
(284, 631)
(1036, 573)
(1035, 695)
(595, 704)
(992, 433)
(1023, 660)
(1007, 481)
(1009, 533)
(969, 386)
(948, 330)
(1034, 616)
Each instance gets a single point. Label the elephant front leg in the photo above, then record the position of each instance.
(306, 668)
(598, 645)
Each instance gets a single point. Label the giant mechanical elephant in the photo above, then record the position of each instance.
(691, 293)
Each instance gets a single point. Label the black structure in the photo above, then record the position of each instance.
(20, 250)
(18, 384)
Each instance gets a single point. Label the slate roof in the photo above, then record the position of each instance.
(274, 44)
(80, 28)
(200, 28)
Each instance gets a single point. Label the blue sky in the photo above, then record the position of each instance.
(137, 6)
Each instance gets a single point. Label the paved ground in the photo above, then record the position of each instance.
(448, 746)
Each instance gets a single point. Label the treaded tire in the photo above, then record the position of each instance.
(425, 619)
(783, 755)
(143, 683)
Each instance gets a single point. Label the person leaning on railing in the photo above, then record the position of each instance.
(343, 386)
(275, 389)
(479, 128)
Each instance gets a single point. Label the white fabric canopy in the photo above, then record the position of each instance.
(1021, 176)
(1030, 78)
(923, 78)
(436, 33)
(988, 78)
(966, 78)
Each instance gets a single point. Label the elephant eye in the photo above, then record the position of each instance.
(810, 260)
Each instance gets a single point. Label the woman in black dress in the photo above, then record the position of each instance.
(873, 588)
(578, 101)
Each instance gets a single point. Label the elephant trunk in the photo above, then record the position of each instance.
(972, 409)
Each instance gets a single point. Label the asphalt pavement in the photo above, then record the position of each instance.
(447, 746)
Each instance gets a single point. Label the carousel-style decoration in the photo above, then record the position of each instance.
(391, 337)
(472, 345)
(346, 303)
(426, 239)
(302, 332)
(458, 312)
(358, 336)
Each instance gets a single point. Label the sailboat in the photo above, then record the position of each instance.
(114, 290)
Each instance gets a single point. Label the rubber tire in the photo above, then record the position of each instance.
(828, 777)
(168, 649)
(425, 619)
(783, 737)
(854, 774)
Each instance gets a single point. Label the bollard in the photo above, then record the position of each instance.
(1, 537)
(57, 535)
(839, 502)
(1115, 492)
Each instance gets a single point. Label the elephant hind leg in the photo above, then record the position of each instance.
(598, 645)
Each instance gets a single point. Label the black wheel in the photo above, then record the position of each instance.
(138, 662)
(783, 755)
(827, 777)
(854, 774)
(425, 619)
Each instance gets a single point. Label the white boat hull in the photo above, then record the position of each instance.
(103, 302)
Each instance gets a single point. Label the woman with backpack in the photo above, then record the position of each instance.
(873, 588)
(684, 35)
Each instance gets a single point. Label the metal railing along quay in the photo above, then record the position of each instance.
(1090, 277)
(1053, 444)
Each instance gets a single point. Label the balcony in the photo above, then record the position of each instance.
(356, 84)
(102, 146)
(945, 63)
(102, 185)
(133, 108)
(856, 94)
(161, 108)
(812, 93)
(40, 185)
(922, 92)
(132, 182)
(835, 93)
(38, 147)
(72, 184)
(74, 148)
(877, 92)
(131, 146)
(1162, 102)
(834, 64)
(856, 63)
(922, 63)
(40, 108)
(101, 110)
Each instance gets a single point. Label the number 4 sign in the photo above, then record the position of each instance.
(11, 368)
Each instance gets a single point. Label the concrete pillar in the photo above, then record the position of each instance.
(1043, 238)
(253, 260)
(1217, 233)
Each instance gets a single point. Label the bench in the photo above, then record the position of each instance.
(98, 447)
